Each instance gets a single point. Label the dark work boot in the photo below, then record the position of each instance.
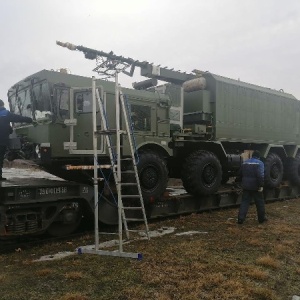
(2, 178)
(263, 221)
(240, 221)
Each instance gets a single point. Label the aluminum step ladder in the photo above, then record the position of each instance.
(115, 158)
(128, 192)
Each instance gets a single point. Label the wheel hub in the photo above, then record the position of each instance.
(209, 174)
(274, 172)
(149, 177)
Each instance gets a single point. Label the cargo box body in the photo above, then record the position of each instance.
(246, 113)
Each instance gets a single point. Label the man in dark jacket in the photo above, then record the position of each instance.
(5, 130)
(252, 178)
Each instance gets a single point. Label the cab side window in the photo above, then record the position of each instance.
(83, 101)
(41, 95)
(141, 117)
(63, 100)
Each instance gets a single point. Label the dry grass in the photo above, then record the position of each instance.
(268, 261)
(250, 262)
(256, 242)
(73, 275)
(280, 229)
(44, 272)
(258, 274)
(264, 294)
(75, 296)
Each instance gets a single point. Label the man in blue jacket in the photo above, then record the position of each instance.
(6, 117)
(252, 178)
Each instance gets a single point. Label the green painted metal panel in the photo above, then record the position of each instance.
(249, 113)
(197, 101)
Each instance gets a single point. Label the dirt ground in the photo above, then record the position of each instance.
(212, 258)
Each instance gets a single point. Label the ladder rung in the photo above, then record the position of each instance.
(111, 131)
(134, 219)
(108, 131)
(132, 207)
(128, 158)
(127, 172)
(86, 167)
(113, 147)
(137, 230)
(131, 196)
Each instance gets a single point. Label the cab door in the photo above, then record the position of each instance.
(81, 123)
(83, 112)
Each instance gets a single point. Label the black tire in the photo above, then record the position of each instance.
(293, 170)
(273, 170)
(153, 175)
(201, 173)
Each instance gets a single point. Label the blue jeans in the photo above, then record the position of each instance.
(259, 202)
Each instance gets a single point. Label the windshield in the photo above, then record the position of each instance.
(20, 102)
(24, 100)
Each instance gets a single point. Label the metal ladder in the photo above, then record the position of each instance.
(116, 164)
(115, 159)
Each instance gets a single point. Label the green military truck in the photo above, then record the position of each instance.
(195, 126)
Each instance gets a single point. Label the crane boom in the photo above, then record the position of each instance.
(147, 69)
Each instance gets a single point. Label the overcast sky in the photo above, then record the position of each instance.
(257, 41)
